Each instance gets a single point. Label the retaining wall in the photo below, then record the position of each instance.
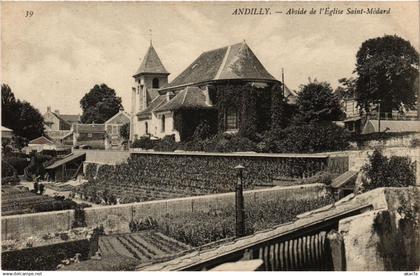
(115, 218)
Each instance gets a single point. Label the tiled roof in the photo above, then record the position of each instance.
(41, 141)
(151, 63)
(232, 62)
(190, 97)
(89, 128)
(68, 158)
(155, 103)
(70, 118)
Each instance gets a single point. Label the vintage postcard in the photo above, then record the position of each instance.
(210, 136)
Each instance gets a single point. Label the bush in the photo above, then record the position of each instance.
(143, 142)
(7, 170)
(305, 139)
(19, 163)
(382, 171)
(202, 131)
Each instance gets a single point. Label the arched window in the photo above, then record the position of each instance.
(231, 120)
(146, 127)
(163, 123)
(155, 83)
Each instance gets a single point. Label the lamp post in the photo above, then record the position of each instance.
(239, 203)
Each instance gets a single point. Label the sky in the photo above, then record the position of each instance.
(54, 57)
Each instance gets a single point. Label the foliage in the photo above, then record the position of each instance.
(125, 131)
(143, 224)
(203, 131)
(37, 165)
(20, 116)
(143, 142)
(200, 227)
(278, 109)
(387, 68)
(382, 171)
(306, 138)
(19, 163)
(316, 102)
(7, 169)
(346, 89)
(99, 104)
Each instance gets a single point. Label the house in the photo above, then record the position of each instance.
(89, 135)
(44, 144)
(55, 121)
(221, 87)
(112, 127)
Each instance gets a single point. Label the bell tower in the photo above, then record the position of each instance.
(150, 76)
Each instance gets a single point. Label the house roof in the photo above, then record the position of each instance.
(151, 63)
(41, 141)
(155, 103)
(391, 126)
(58, 134)
(189, 97)
(5, 129)
(236, 61)
(121, 117)
(89, 128)
(68, 158)
(70, 118)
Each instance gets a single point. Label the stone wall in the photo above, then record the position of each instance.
(115, 218)
(386, 239)
(110, 157)
(17, 226)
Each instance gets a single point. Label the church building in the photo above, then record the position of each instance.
(227, 88)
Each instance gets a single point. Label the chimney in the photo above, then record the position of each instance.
(57, 111)
(48, 108)
(169, 95)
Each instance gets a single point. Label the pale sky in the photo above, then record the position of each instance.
(56, 56)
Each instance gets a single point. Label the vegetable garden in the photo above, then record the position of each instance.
(159, 176)
(200, 228)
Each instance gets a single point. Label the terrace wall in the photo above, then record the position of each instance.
(214, 172)
(110, 157)
(115, 218)
(17, 226)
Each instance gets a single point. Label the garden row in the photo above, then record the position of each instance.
(148, 176)
(199, 228)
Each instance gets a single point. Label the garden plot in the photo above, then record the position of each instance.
(144, 246)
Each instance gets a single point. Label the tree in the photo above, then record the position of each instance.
(316, 102)
(387, 68)
(278, 109)
(346, 89)
(125, 131)
(20, 116)
(100, 104)
(381, 171)
(8, 107)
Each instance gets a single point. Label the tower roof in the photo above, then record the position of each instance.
(151, 63)
(236, 61)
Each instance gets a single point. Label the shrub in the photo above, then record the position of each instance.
(306, 138)
(202, 131)
(382, 171)
(415, 142)
(7, 170)
(143, 142)
(19, 163)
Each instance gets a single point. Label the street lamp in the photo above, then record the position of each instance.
(239, 203)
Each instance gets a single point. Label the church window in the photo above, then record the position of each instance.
(155, 83)
(146, 127)
(231, 121)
